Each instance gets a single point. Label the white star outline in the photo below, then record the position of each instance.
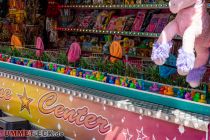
(153, 137)
(127, 134)
(169, 139)
(141, 133)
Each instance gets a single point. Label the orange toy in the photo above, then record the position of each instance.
(169, 91)
(115, 51)
(117, 81)
(15, 41)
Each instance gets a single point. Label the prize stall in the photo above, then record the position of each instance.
(86, 68)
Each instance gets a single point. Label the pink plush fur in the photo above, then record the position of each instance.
(74, 52)
(39, 46)
(192, 22)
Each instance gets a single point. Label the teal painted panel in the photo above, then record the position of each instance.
(127, 92)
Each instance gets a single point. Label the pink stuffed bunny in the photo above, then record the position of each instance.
(192, 22)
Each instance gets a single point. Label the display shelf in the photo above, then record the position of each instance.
(114, 89)
(122, 6)
(124, 33)
(135, 106)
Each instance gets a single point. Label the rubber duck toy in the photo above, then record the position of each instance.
(101, 78)
(87, 75)
(74, 72)
(1, 59)
(203, 99)
(105, 79)
(128, 81)
(197, 96)
(98, 74)
(50, 66)
(117, 81)
(123, 82)
(92, 77)
(34, 65)
(180, 93)
(25, 62)
(66, 70)
(80, 74)
(136, 83)
(29, 64)
(8, 60)
(84, 75)
(13, 60)
(193, 94)
(154, 88)
(78, 71)
(138, 86)
(162, 89)
(188, 96)
(46, 67)
(111, 80)
(143, 85)
(39, 64)
(54, 68)
(62, 70)
(69, 71)
(18, 61)
(22, 62)
(169, 91)
(58, 70)
(132, 85)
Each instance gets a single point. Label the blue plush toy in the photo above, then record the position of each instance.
(166, 71)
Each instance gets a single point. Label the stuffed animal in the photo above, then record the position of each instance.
(192, 22)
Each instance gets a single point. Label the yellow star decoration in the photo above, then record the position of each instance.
(25, 101)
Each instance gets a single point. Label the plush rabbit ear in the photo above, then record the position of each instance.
(39, 46)
(74, 52)
(176, 5)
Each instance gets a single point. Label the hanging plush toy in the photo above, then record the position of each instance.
(39, 46)
(192, 22)
(74, 52)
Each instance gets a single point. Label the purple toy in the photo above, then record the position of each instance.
(154, 88)
(188, 96)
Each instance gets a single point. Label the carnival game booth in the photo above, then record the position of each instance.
(99, 89)
(86, 107)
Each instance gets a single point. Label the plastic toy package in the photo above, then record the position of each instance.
(158, 22)
(138, 22)
(89, 20)
(148, 17)
(129, 2)
(85, 22)
(162, 22)
(153, 23)
(111, 25)
(120, 23)
(79, 16)
(129, 23)
(103, 19)
(97, 2)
